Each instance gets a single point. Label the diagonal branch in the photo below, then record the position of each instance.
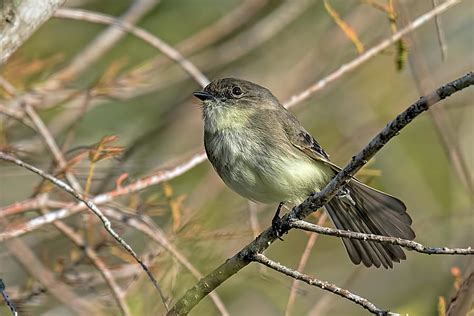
(156, 178)
(103, 42)
(62, 227)
(233, 265)
(318, 283)
(302, 264)
(409, 244)
(369, 53)
(106, 223)
(151, 39)
(97, 261)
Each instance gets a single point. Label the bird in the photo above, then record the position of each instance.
(262, 152)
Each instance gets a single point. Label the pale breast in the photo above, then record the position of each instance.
(262, 172)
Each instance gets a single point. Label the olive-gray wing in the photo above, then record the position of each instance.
(372, 211)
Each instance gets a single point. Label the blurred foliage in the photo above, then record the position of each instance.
(207, 221)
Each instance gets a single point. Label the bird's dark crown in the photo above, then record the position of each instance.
(228, 89)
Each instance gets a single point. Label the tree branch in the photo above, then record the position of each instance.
(192, 297)
(321, 284)
(141, 184)
(370, 53)
(409, 244)
(146, 36)
(102, 42)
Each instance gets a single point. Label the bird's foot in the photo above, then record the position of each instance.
(277, 224)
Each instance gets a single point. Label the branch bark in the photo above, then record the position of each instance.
(409, 244)
(245, 256)
(19, 20)
(321, 284)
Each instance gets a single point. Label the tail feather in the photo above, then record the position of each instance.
(374, 212)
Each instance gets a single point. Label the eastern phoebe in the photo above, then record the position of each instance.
(263, 153)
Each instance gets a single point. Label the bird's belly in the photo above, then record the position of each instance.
(270, 179)
(265, 173)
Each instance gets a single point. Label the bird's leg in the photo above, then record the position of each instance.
(277, 224)
(344, 194)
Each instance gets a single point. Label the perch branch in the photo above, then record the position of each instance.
(409, 244)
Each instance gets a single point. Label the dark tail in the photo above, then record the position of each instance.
(371, 212)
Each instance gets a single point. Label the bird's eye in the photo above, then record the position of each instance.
(237, 92)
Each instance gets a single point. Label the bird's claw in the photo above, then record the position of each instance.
(277, 224)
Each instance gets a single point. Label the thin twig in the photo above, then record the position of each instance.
(233, 265)
(205, 37)
(102, 42)
(146, 36)
(98, 263)
(253, 218)
(53, 147)
(234, 48)
(7, 300)
(440, 34)
(64, 228)
(146, 226)
(323, 305)
(7, 86)
(17, 115)
(445, 130)
(94, 209)
(409, 244)
(156, 178)
(59, 290)
(369, 53)
(302, 264)
(260, 258)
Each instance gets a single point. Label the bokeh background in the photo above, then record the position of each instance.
(134, 92)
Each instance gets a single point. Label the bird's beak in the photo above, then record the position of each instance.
(202, 95)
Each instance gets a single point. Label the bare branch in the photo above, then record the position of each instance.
(145, 225)
(19, 20)
(207, 284)
(444, 128)
(260, 258)
(6, 298)
(409, 244)
(93, 208)
(60, 291)
(98, 263)
(302, 264)
(146, 36)
(156, 178)
(440, 34)
(369, 53)
(62, 227)
(462, 301)
(17, 115)
(103, 42)
(51, 143)
(207, 36)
